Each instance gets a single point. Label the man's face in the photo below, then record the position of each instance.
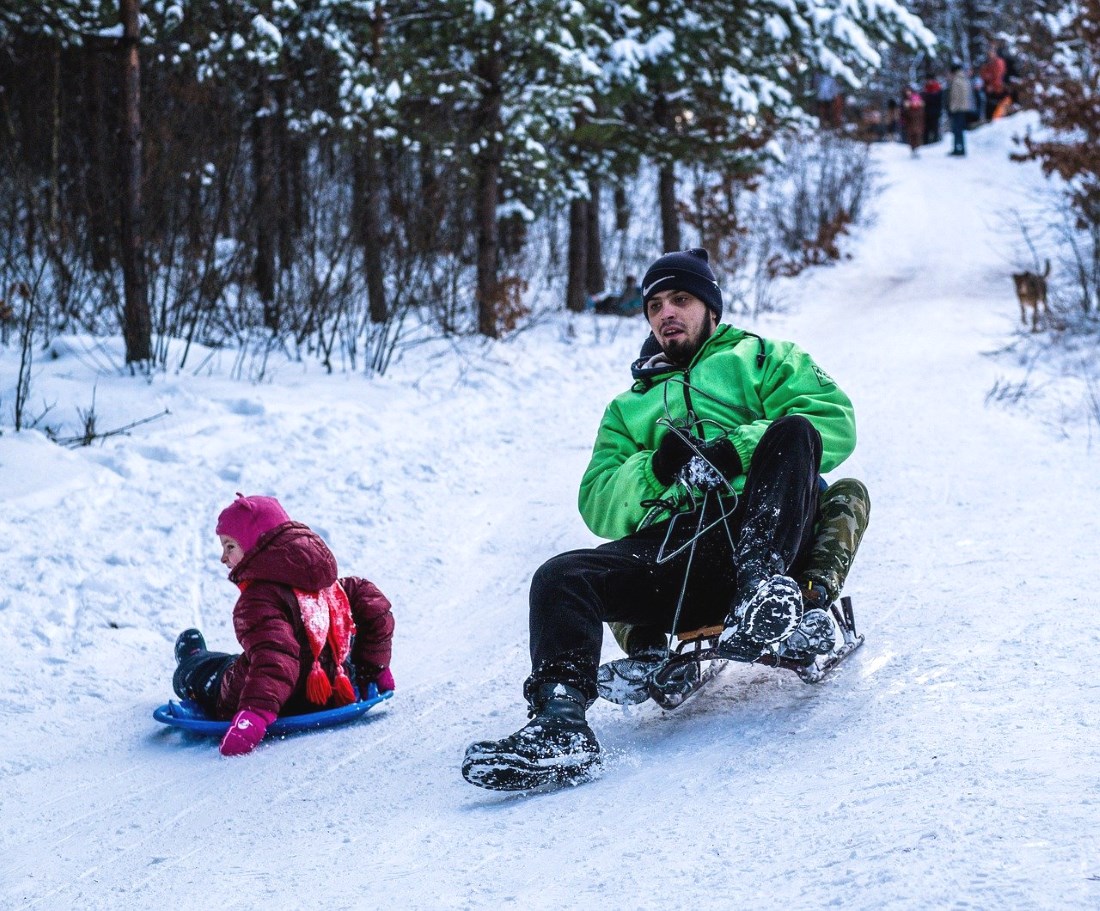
(680, 323)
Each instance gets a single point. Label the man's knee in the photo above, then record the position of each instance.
(792, 429)
(791, 425)
(554, 575)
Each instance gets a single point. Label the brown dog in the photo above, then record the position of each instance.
(1031, 289)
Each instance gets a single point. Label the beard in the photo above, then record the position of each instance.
(683, 348)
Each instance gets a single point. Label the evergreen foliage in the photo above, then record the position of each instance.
(302, 159)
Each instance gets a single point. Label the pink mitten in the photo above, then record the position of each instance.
(385, 680)
(247, 730)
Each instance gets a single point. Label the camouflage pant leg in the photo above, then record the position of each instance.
(843, 514)
(633, 638)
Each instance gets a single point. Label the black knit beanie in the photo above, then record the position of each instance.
(688, 271)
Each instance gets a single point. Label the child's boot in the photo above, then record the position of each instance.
(188, 642)
(199, 672)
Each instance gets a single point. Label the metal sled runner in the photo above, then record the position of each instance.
(697, 659)
(702, 645)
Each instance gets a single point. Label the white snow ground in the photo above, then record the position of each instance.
(952, 763)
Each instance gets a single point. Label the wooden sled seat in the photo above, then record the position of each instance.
(704, 632)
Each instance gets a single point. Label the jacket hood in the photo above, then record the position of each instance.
(290, 554)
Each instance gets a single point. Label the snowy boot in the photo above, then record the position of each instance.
(556, 747)
(768, 615)
(815, 634)
(199, 672)
(671, 685)
(188, 642)
(626, 681)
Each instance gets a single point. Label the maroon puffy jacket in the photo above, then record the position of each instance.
(271, 674)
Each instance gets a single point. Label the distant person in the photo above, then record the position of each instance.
(978, 114)
(301, 628)
(893, 119)
(912, 115)
(830, 100)
(960, 106)
(932, 95)
(627, 302)
(872, 124)
(1012, 74)
(993, 72)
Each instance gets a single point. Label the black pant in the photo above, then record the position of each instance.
(958, 131)
(770, 531)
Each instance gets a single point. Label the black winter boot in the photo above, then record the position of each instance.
(625, 681)
(556, 747)
(815, 634)
(188, 642)
(767, 614)
(199, 672)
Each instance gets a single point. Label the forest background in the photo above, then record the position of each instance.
(341, 178)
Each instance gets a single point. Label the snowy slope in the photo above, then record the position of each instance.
(952, 763)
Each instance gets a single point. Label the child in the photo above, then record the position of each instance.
(913, 117)
(301, 628)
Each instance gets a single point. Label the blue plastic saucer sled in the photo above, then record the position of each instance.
(190, 717)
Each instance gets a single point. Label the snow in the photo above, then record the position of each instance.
(952, 762)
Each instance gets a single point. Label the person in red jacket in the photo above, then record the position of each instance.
(993, 76)
(305, 633)
(912, 115)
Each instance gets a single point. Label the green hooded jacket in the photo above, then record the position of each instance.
(735, 386)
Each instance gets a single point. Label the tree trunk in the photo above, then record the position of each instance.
(576, 293)
(622, 208)
(54, 191)
(670, 221)
(372, 229)
(488, 196)
(137, 322)
(430, 212)
(285, 208)
(666, 179)
(263, 165)
(597, 277)
(100, 222)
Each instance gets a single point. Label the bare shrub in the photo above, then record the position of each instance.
(818, 192)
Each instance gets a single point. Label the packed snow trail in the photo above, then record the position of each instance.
(952, 762)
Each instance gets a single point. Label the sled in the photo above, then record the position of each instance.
(189, 716)
(697, 659)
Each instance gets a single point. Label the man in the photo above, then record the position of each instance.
(830, 100)
(932, 94)
(719, 417)
(993, 78)
(960, 105)
(627, 303)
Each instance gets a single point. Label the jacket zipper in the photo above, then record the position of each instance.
(692, 420)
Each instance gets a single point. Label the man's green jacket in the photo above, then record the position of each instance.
(737, 384)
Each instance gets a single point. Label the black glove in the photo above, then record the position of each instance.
(670, 456)
(721, 454)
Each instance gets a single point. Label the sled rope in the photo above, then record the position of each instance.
(726, 507)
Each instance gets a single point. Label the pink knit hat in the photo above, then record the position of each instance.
(247, 518)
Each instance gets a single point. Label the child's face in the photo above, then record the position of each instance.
(231, 551)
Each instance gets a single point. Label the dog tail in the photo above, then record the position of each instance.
(1046, 271)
